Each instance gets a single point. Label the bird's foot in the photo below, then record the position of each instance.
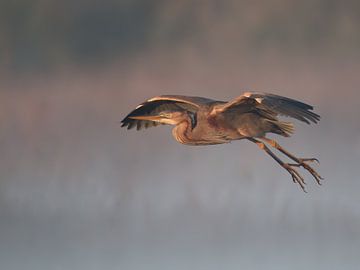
(302, 162)
(296, 176)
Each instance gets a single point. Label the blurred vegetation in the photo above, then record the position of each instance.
(41, 34)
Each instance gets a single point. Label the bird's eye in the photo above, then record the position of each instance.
(166, 115)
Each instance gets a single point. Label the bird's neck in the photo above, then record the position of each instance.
(182, 132)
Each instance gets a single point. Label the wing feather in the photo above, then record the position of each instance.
(155, 105)
(277, 105)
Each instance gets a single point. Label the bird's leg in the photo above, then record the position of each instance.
(300, 162)
(297, 178)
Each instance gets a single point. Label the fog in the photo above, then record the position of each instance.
(79, 192)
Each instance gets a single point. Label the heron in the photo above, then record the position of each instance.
(251, 116)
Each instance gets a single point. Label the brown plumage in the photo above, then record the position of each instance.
(203, 121)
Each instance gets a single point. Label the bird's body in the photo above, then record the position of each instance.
(203, 129)
(202, 121)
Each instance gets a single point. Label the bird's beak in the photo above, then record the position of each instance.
(147, 117)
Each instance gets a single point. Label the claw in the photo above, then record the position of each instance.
(297, 178)
(302, 163)
(309, 159)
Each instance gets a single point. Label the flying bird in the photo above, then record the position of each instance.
(203, 121)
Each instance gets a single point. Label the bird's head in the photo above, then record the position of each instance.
(164, 117)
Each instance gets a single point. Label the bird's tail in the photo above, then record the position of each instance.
(282, 128)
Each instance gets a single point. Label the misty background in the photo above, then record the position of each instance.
(79, 192)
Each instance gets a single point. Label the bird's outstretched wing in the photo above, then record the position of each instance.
(272, 104)
(158, 104)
